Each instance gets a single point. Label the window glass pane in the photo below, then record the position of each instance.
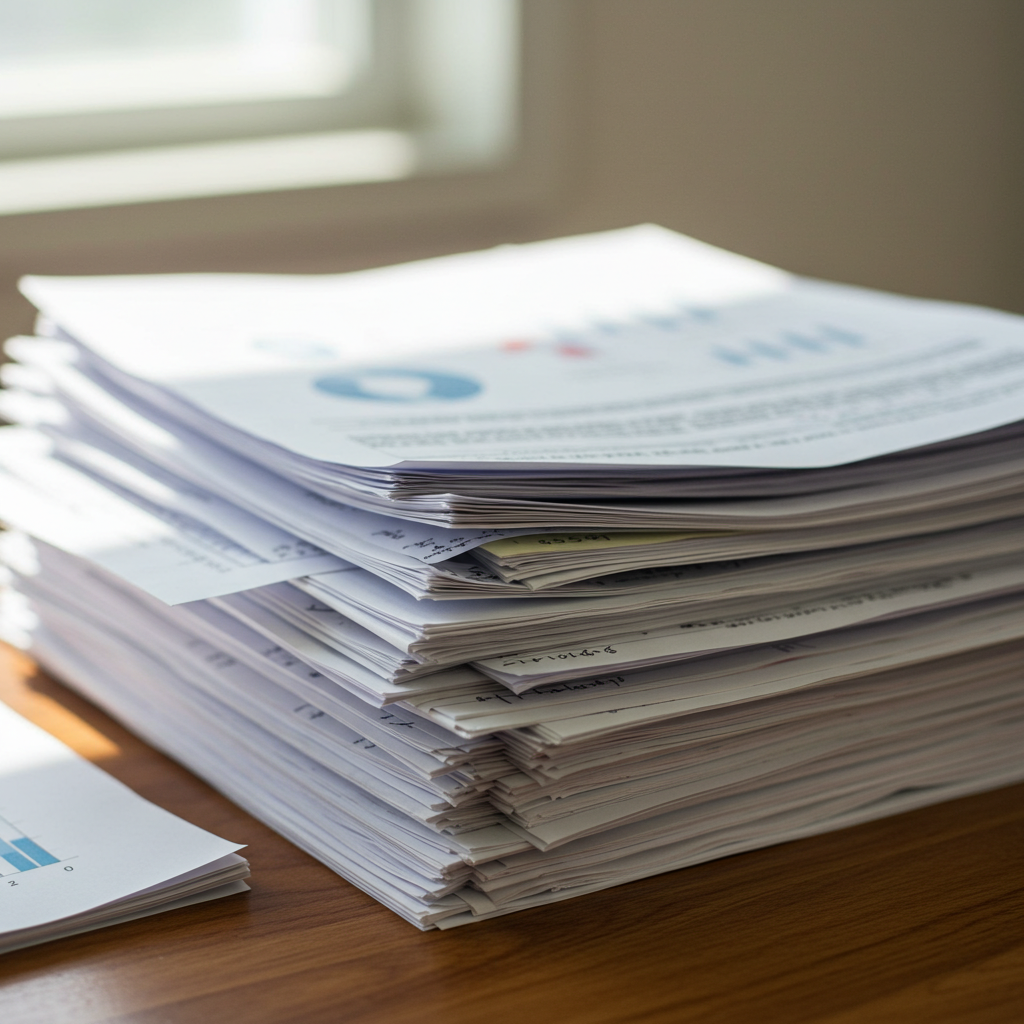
(66, 56)
(52, 28)
(105, 102)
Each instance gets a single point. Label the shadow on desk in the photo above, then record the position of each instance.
(913, 918)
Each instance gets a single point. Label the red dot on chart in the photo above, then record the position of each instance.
(575, 351)
(516, 345)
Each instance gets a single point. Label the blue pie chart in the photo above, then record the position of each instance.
(392, 384)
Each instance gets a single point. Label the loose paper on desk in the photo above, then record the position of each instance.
(74, 840)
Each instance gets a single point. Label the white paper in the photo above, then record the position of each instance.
(74, 839)
(638, 347)
(621, 699)
(770, 625)
(119, 425)
(163, 550)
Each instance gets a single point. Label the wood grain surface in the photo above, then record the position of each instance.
(915, 918)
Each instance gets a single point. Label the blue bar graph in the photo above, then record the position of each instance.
(20, 852)
(17, 860)
(35, 851)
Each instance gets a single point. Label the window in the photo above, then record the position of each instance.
(106, 102)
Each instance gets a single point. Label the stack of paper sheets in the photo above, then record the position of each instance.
(500, 578)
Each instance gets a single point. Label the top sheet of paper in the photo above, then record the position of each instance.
(635, 347)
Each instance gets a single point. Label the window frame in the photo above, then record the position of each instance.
(523, 181)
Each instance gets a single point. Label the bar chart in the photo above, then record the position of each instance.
(19, 852)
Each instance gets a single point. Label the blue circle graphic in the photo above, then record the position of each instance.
(359, 384)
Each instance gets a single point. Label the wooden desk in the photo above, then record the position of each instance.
(916, 918)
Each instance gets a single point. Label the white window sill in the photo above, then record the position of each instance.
(209, 169)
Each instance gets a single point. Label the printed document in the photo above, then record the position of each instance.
(629, 348)
(79, 850)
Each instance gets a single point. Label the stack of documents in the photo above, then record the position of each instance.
(80, 851)
(496, 579)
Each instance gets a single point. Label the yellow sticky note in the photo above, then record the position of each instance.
(538, 543)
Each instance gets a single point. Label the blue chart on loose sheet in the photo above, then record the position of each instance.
(19, 852)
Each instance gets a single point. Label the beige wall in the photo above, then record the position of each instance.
(874, 141)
